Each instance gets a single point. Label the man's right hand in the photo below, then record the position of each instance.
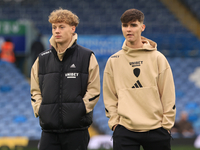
(114, 127)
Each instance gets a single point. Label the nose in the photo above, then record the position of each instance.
(128, 28)
(57, 30)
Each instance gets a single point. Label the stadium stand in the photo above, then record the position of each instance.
(101, 17)
(16, 113)
(194, 6)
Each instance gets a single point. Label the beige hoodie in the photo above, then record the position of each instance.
(138, 89)
(93, 88)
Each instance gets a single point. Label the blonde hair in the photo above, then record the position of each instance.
(64, 15)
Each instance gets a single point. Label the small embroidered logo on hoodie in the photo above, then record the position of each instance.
(115, 56)
(136, 72)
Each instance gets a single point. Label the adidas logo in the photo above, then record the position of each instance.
(72, 66)
(136, 72)
(137, 84)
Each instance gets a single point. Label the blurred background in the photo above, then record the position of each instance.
(25, 30)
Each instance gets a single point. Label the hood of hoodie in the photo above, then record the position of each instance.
(61, 54)
(147, 45)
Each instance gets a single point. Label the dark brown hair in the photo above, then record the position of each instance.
(132, 15)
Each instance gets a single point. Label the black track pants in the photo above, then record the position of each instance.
(158, 139)
(74, 140)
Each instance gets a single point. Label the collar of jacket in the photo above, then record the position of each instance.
(68, 52)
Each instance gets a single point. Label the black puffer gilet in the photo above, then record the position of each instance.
(63, 85)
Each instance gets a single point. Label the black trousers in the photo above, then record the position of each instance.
(124, 139)
(73, 140)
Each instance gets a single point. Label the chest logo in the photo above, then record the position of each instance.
(73, 66)
(136, 63)
(44, 53)
(71, 75)
(115, 56)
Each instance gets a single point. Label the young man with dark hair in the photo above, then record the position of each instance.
(65, 86)
(138, 91)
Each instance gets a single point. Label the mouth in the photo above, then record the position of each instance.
(129, 35)
(57, 37)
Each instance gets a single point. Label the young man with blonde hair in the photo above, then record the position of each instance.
(65, 86)
(138, 91)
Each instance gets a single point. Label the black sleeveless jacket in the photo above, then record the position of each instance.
(63, 85)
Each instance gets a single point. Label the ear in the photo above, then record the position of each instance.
(73, 29)
(143, 27)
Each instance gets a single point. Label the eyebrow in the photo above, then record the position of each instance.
(134, 24)
(57, 25)
(130, 23)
